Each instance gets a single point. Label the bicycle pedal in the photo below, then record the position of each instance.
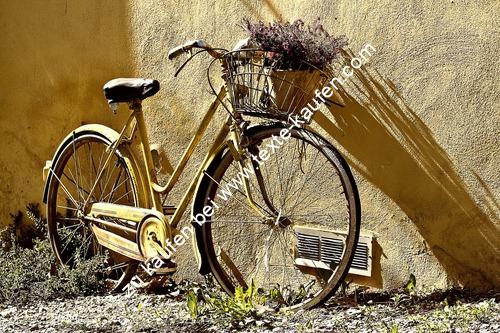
(160, 266)
(168, 267)
(165, 270)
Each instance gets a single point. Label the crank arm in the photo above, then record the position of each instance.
(160, 249)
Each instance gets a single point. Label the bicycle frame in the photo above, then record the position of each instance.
(150, 185)
(142, 229)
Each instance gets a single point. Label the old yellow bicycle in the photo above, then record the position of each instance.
(279, 203)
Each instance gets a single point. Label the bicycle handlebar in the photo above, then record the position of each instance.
(186, 47)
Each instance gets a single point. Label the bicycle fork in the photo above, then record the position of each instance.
(240, 156)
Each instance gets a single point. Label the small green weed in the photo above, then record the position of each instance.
(245, 308)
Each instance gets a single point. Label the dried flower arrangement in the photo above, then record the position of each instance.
(295, 42)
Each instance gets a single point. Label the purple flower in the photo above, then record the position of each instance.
(295, 42)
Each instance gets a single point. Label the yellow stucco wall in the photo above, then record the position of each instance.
(55, 57)
(424, 144)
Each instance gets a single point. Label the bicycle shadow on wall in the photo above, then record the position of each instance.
(394, 150)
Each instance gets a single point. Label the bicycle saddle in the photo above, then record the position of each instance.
(127, 89)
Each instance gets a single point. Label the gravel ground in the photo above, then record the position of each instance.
(160, 313)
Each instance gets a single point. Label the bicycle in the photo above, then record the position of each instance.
(291, 228)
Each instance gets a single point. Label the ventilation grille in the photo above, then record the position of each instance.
(323, 249)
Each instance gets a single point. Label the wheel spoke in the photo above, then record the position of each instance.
(301, 181)
(80, 164)
(68, 195)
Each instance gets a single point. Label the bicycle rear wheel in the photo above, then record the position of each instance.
(74, 174)
(302, 247)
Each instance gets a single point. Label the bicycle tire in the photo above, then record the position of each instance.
(60, 206)
(216, 176)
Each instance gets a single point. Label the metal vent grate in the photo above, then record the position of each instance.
(323, 249)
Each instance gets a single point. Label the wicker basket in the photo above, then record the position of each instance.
(259, 86)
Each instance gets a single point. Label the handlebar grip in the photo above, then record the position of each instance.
(186, 47)
(175, 52)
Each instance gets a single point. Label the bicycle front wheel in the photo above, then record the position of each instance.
(299, 242)
(74, 174)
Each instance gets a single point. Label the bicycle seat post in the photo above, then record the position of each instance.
(135, 105)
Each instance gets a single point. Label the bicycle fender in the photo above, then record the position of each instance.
(197, 206)
(198, 243)
(211, 165)
(102, 130)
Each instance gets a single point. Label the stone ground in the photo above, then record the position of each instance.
(161, 313)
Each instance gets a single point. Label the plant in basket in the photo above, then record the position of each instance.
(296, 43)
(295, 54)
